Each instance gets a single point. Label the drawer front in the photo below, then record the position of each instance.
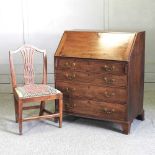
(103, 110)
(94, 79)
(72, 64)
(72, 76)
(110, 80)
(100, 66)
(90, 65)
(87, 91)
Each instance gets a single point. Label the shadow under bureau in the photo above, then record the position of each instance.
(102, 75)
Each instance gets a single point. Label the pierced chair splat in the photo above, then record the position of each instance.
(31, 92)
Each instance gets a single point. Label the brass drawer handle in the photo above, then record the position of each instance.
(73, 89)
(108, 81)
(107, 111)
(68, 106)
(66, 75)
(73, 64)
(73, 76)
(68, 90)
(70, 77)
(67, 64)
(108, 95)
(108, 68)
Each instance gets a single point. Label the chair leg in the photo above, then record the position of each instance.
(42, 107)
(60, 111)
(20, 110)
(16, 109)
(56, 110)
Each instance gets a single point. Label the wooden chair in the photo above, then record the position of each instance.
(31, 92)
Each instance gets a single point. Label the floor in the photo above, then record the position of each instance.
(78, 136)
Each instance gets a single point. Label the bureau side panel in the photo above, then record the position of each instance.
(136, 77)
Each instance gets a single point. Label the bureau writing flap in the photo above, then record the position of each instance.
(96, 45)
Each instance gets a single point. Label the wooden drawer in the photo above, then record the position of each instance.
(94, 79)
(72, 64)
(87, 91)
(102, 110)
(72, 76)
(91, 65)
(112, 67)
(110, 80)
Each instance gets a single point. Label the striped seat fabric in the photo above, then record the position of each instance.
(35, 90)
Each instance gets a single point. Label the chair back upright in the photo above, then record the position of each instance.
(27, 52)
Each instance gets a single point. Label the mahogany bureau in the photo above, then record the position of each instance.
(101, 75)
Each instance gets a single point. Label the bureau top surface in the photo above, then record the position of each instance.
(96, 45)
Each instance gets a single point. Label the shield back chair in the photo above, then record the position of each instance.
(31, 92)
